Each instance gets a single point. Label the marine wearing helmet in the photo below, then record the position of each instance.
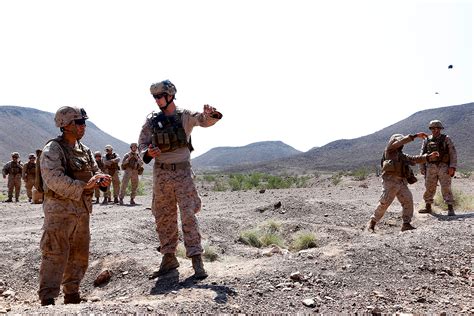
(66, 114)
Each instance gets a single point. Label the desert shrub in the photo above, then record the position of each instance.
(271, 227)
(303, 240)
(210, 252)
(209, 178)
(219, 186)
(268, 239)
(360, 174)
(336, 178)
(462, 200)
(251, 238)
(464, 173)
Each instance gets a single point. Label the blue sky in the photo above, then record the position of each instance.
(303, 72)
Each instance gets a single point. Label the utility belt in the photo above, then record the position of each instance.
(175, 166)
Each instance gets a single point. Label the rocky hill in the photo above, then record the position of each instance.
(220, 157)
(25, 129)
(366, 151)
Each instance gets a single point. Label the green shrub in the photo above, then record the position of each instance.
(304, 240)
(271, 227)
(210, 253)
(268, 239)
(462, 201)
(209, 178)
(251, 238)
(219, 186)
(360, 174)
(336, 178)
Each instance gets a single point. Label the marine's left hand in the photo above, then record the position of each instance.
(451, 171)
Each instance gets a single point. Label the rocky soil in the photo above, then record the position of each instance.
(428, 270)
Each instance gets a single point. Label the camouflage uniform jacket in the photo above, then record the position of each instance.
(29, 171)
(131, 160)
(393, 152)
(189, 121)
(12, 168)
(67, 193)
(451, 149)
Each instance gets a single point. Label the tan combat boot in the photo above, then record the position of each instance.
(407, 226)
(371, 225)
(116, 201)
(425, 210)
(73, 298)
(451, 210)
(168, 263)
(105, 201)
(198, 266)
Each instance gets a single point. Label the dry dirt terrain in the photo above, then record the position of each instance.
(428, 270)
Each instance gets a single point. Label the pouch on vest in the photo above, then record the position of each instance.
(389, 166)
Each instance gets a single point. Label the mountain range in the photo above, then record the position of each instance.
(25, 129)
(361, 152)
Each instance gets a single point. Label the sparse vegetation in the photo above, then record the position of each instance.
(360, 174)
(337, 177)
(140, 188)
(465, 173)
(462, 201)
(303, 240)
(251, 238)
(210, 252)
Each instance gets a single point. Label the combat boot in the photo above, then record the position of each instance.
(121, 201)
(116, 201)
(97, 200)
(132, 202)
(451, 210)
(105, 201)
(73, 298)
(407, 226)
(198, 266)
(9, 200)
(47, 301)
(371, 225)
(17, 200)
(425, 210)
(168, 263)
(29, 200)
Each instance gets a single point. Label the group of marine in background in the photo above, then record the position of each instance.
(109, 163)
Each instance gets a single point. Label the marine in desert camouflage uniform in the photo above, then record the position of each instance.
(165, 136)
(440, 169)
(100, 165)
(69, 175)
(131, 163)
(29, 175)
(111, 167)
(13, 170)
(395, 172)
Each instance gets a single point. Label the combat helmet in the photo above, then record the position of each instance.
(164, 86)
(108, 147)
(31, 156)
(66, 114)
(15, 154)
(436, 124)
(133, 144)
(97, 153)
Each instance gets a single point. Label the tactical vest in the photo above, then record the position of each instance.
(31, 169)
(112, 168)
(400, 167)
(78, 165)
(132, 162)
(168, 133)
(437, 144)
(15, 168)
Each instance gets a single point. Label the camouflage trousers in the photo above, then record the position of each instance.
(14, 183)
(65, 253)
(433, 174)
(394, 186)
(132, 176)
(172, 188)
(29, 183)
(115, 184)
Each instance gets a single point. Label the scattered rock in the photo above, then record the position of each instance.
(277, 205)
(296, 276)
(103, 278)
(309, 302)
(261, 191)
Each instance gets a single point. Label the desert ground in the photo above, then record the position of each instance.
(350, 270)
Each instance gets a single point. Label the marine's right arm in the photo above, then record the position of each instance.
(52, 162)
(145, 140)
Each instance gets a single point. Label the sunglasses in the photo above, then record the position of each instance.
(80, 122)
(159, 96)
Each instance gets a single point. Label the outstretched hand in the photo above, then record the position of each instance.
(98, 180)
(421, 135)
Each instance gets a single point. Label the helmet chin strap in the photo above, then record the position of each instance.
(167, 104)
